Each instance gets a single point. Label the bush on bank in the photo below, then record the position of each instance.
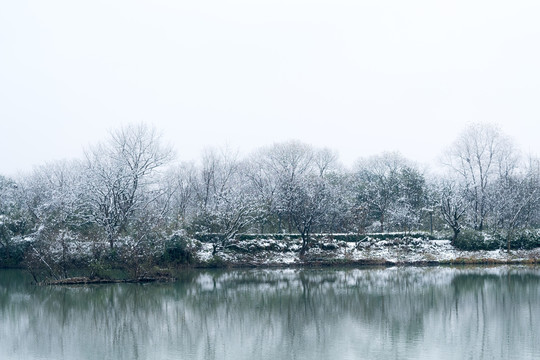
(471, 240)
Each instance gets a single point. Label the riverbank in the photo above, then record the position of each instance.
(400, 251)
(129, 264)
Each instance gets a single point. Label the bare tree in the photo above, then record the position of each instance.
(280, 166)
(325, 160)
(52, 196)
(341, 215)
(479, 155)
(514, 196)
(225, 201)
(180, 187)
(121, 176)
(234, 210)
(453, 205)
(291, 159)
(53, 192)
(214, 176)
(305, 201)
(263, 182)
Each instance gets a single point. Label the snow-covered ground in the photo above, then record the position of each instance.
(398, 251)
(324, 250)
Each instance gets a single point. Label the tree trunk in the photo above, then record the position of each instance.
(456, 233)
(508, 239)
(305, 237)
(111, 241)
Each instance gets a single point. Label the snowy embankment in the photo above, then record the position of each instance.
(404, 251)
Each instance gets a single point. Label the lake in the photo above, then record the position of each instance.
(381, 313)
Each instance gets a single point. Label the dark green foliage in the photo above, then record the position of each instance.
(523, 240)
(13, 255)
(471, 240)
(101, 270)
(216, 262)
(179, 250)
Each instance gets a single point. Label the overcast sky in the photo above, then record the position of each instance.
(360, 77)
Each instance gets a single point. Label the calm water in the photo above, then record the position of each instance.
(396, 313)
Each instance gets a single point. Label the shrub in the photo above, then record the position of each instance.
(179, 249)
(216, 262)
(471, 240)
(524, 239)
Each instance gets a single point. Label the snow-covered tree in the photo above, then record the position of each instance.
(453, 204)
(263, 184)
(224, 200)
(179, 185)
(121, 177)
(515, 198)
(14, 218)
(305, 201)
(272, 169)
(234, 209)
(52, 195)
(405, 213)
(391, 188)
(292, 184)
(340, 215)
(480, 155)
(288, 162)
(325, 160)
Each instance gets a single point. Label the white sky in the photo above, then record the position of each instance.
(359, 77)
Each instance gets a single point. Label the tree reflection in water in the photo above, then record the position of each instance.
(416, 313)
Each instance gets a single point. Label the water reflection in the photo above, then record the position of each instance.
(396, 313)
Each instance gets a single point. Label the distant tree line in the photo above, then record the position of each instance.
(129, 190)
